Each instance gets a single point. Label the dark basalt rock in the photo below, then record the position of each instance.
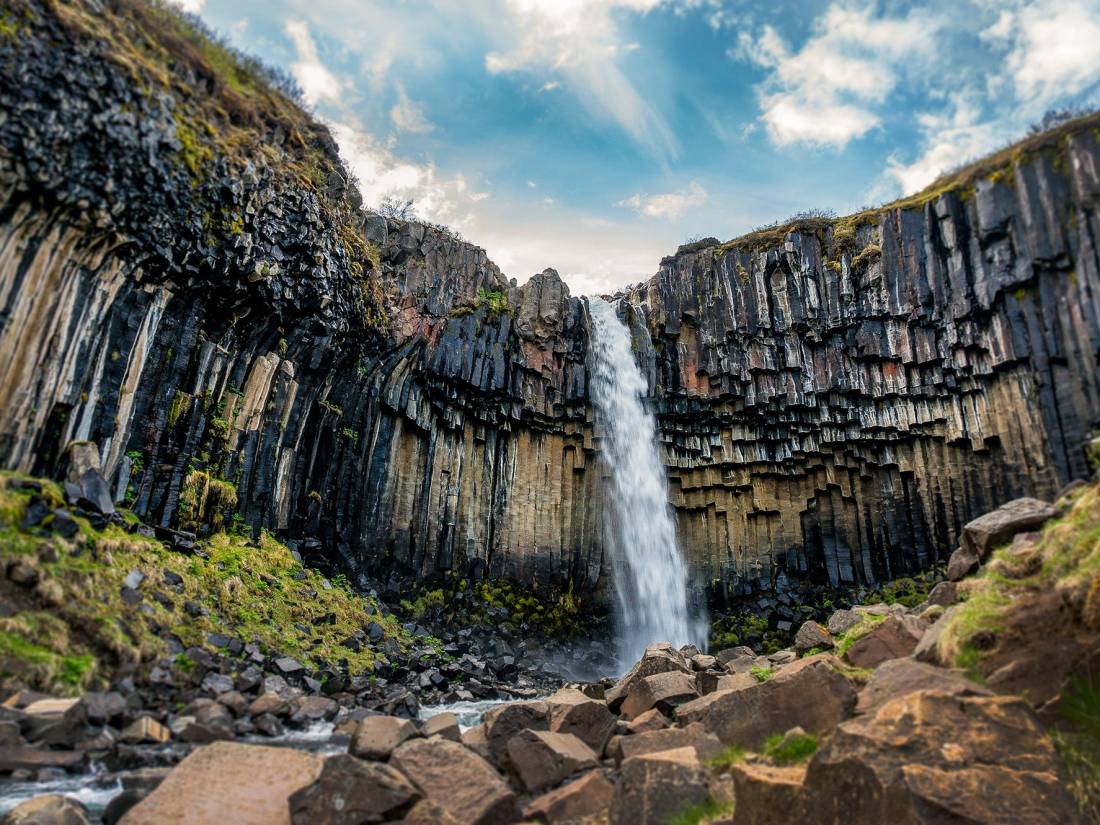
(834, 403)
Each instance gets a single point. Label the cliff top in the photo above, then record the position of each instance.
(996, 166)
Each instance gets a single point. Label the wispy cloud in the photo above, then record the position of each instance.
(829, 91)
(317, 82)
(668, 205)
(579, 42)
(408, 115)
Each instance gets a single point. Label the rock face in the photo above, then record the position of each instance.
(834, 401)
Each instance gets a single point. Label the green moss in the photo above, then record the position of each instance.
(181, 401)
(732, 755)
(787, 750)
(761, 674)
(704, 812)
(195, 154)
(206, 500)
(496, 300)
(350, 434)
(330, 407)
(866, 256)
(842, 643)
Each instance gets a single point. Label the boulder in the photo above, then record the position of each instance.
(693, 735)
(899, 677)
(272, 703)
(986, 532)
(663, 691)
(426, 812)
(349, 791)
(962, 563)
(944, 594)
(658, 658)
(540, 759)
(894, 638)
(53, 809)
(55, 721)
(585, 799)
(587, 719)
(458, 780)
(654, 788)
(474, 739)
(730, 654)
(505, 721)
(145, 731)
(934, 757)
(442, 724)
(376, 737)
(812, 635)
(36, 759)
(649, 721)
(229, 782)
(927, 649)
(701, 661)
(315, 708)
(768, 794)
(842, 621)
(104, 708)
(810, 693)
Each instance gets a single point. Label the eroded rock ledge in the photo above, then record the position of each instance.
(835, 399)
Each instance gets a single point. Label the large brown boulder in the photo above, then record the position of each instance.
(53, 809)
(587, 719)
(994, 528)
(658, 658)
(583, 799)
(899, 677)
(810, 693)
(694, 735)
(458, 780)
(768, 794)
(505, 721)
(895, 637)
(812, 635)
(933, 757)
(350, 792)
(376, 737)
(654, 788)
(55, 721)
(228, 782)
(540, 758)
(663, 691)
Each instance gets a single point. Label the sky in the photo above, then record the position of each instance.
(595, 136)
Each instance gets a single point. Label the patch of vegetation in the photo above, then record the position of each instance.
(732, 755)
(842, 643)
(787, 750)
(496, 300)
(866, 256)
(1078, 744)
(206, 501)
(706, 811)
(252, 590)
(761, 674)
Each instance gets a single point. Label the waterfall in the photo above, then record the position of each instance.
(649, 572)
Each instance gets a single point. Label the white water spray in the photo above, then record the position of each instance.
(650, 575)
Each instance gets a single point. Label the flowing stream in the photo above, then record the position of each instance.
(649, 571)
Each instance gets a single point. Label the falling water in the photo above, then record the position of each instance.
(650, 576)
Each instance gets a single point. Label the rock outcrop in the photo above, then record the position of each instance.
(835, 399)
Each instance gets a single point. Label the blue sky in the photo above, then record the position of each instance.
(594, 136)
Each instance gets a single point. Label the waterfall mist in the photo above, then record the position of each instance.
(649, 571)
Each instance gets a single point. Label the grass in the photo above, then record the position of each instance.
(843, 643)
(1078, 744)
(253, 590)
(732, 755)
(787, 750)
(761, 674)
(704, 812)
(1068, 555)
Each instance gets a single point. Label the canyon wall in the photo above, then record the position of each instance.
(835, 398)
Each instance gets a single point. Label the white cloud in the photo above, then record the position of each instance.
(950, 138)
(317, 82)
(828, 92)
(192, 6)
(1055, 49)
(408, 115)
(549, 86)
(382, 174)
(669, 205)
(580, 43)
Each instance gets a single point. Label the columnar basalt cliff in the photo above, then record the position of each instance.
(194, 287)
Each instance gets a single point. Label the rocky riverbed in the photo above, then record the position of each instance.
(884, 713)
